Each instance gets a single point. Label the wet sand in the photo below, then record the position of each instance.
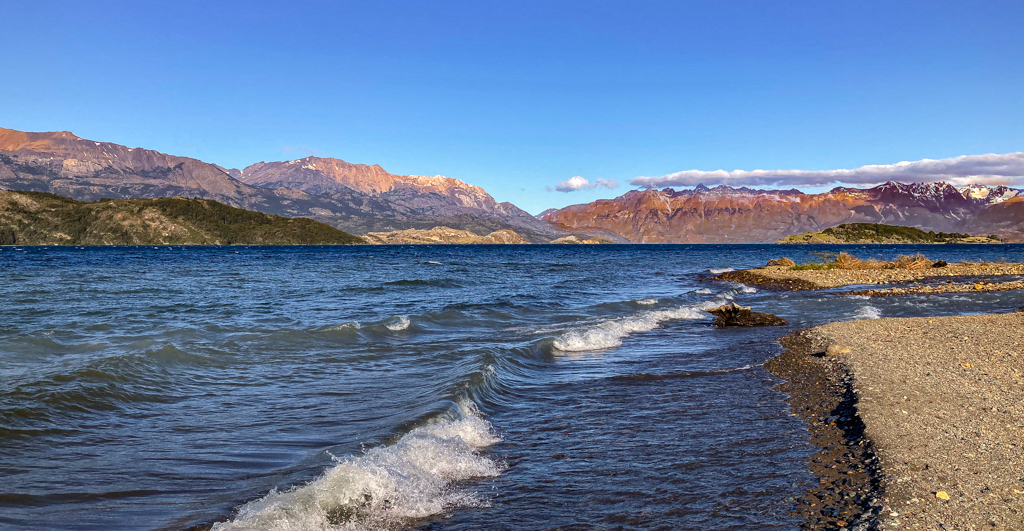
(784, 278)
(940, 402)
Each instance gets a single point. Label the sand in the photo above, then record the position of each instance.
(782, 277)
(941, 404)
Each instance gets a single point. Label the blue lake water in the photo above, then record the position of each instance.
(439, 387)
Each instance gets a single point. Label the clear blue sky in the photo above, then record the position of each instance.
(517, 96)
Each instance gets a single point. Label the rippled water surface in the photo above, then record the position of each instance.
(446, 387)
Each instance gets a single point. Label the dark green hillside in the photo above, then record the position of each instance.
(880, 233)
(38, 218)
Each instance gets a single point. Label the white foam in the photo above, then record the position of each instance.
(398, 322)
(610, 333)
(868, 312)
(746, 289)
(387, 486)
(647, 302)
(720, 271)
(351, 325)
(703, 291)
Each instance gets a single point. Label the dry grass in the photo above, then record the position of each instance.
(910, 262)
(848, 261)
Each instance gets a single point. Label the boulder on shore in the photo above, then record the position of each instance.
(736, 315)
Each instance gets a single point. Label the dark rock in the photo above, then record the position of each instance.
(940, 263)
(736, 315)
(781, 262)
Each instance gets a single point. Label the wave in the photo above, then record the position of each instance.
(644, 376)
(396, 323)
(720, 271)
(647, 302)
(343, 327)
(417, 282)
(387, 487)
(610, 333)
(868, 312)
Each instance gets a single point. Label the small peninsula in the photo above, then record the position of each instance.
(41, 218)
(845, 270)
(861, 233)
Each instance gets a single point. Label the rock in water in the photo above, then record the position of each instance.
(736, 315)
(781, 262)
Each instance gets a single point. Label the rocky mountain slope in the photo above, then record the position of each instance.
(741, 215)
(353, 197)
(442, 235)
(39, 218)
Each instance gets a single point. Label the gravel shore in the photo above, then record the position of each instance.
(970, 287)
(782, 277)
(941, 401)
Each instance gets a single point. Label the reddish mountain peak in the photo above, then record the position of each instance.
(12, 140)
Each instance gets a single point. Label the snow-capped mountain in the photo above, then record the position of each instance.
(989, 195)
(723, 214)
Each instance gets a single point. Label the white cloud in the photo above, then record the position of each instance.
(573, 184)
(992, 169)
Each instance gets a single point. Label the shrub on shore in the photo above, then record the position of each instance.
(845, 260)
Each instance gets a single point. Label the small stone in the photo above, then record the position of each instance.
(836, 350)
(942, 495)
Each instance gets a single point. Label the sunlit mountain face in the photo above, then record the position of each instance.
(357, 198)
(724, 214)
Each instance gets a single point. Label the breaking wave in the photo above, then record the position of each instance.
(385, 488)
(720, 271)
(647, 302)
(610, 333)
(868, 312)
(398, 322)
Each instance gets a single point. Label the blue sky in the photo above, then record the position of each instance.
(519, 96)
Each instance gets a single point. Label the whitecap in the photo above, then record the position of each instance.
(647, 302)
(385, 488)
(398, 322)
(720, 271)
(610, 333)
(868, 312)
(703, 291)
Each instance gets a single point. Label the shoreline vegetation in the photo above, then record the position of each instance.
(918, 421)
(875, 233)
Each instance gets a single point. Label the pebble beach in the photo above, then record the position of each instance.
(940, 402)
(783, 277)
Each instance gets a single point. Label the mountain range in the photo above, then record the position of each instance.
(361, 198)
(724, 214)
(355, 198)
